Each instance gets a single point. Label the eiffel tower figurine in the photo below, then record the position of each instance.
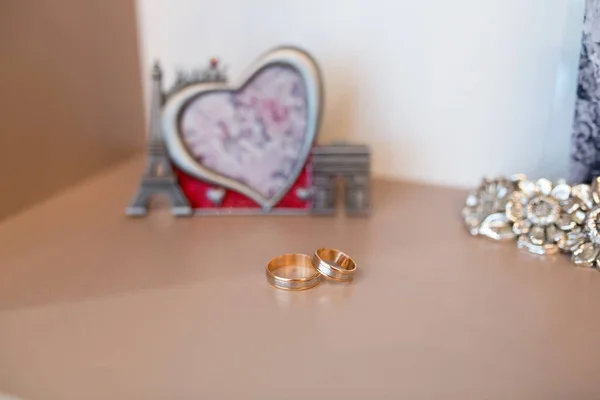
(158, 177)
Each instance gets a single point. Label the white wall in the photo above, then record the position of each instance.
(443, 90)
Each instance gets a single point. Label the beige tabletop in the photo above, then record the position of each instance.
(97, 306)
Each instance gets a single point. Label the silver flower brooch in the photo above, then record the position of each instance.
(542, 217)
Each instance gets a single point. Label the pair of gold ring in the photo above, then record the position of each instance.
(301, 271)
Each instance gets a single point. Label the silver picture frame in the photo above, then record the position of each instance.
(292, 57)
(330, 165)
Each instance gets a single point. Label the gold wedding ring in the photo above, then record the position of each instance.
(292, 272)
(334, 264)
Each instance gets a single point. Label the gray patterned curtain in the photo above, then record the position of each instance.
(585, 151)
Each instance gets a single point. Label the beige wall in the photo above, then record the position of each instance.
(70, 101)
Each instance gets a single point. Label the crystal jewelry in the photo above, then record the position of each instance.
(484, 211)
(334, 264)
(545, 217)
(586, 244)
(292, 272)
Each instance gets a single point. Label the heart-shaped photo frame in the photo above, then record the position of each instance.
(253, 137)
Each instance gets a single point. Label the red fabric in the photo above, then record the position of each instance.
(195, 191)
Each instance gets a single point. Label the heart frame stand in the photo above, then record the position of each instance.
(325, 167)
